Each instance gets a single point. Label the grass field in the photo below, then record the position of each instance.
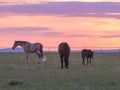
(15, 74)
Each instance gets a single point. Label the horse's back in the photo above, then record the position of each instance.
(91, 53)
(87, 53)
(84, 52)
(36, 45)
(64, 49)
(33, 47)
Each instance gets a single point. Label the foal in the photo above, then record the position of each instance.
(87, 53)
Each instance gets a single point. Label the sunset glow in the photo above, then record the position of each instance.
(92, 23)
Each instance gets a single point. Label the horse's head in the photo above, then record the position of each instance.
(16, 43)
(91, 53)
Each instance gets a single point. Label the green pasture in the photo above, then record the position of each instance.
(15, 74)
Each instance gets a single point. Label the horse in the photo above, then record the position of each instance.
(87, 53)
(64, 52)
(30, 48)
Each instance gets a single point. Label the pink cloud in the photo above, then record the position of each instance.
(67, 9)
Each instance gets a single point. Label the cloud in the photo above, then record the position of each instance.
(14, 2)
(94, 36)
(62, 35)
(25, 29)
(22, 30)
(50, 34)
(109, 36)
(66, 9)
(39, 32)
(79, 35)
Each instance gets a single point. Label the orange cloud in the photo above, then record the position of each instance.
(77, 31)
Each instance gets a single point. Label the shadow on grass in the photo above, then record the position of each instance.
(15, 82)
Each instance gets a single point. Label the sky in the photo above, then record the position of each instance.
(80, 23)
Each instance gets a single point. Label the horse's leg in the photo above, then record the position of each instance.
(83, 61)
(26, 56)
(39, 58)
(66, 62)
(87, 61)
(90, 61)
(61, 58)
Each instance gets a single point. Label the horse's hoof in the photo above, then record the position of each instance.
(39, 62)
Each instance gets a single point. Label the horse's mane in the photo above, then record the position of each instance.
(24, 42)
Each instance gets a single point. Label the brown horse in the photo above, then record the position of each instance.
(30, 48)
(87, 53)
(64, 52)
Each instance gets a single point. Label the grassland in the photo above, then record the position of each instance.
(15, 74)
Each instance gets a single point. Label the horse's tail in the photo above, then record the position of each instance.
(41, 51)
(42, 55)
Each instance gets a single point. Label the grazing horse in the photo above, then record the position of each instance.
(30, 48)
(87, 53)
(64, 52)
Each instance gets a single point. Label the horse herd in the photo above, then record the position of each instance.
(63, 50)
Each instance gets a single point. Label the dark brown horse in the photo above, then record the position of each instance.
(64, 52)
(30, 48)
(87, 53)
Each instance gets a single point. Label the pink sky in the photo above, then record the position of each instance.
(81, 24)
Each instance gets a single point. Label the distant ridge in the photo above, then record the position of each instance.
(11, 50)
(21, 50)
